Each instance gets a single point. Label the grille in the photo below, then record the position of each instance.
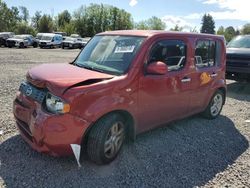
(43, 43)
(32, 92)
(238, 60)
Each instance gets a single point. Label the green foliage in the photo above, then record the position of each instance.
(221, 31)
(24, 13)
(176, 28)
(8, 17)
(228, 33)
(24, 28)
(153, 23)
(98, 18)
(246, 29)
(45, 24)
(64, 18)
(208, 24)
(35, 19)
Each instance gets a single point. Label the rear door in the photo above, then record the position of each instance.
(163, 98)
(205, 73)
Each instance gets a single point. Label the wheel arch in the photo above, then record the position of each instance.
(223, 90)
(129, 121)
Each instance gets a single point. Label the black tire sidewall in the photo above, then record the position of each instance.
(207, 112)
(104, 124)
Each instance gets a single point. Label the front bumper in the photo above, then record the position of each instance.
(51, 134)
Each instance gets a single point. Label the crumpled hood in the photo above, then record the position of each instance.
(60, 77)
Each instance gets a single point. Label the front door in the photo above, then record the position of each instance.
(163, 98)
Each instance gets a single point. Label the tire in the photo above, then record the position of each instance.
(110, 131)
(215, 105)
(35, 45)
(62, 46)
(21, 45)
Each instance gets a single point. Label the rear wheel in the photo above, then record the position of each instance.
(215, 105)
(106, 139)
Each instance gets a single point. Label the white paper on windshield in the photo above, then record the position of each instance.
(124, 49)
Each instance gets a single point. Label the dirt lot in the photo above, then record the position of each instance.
(187, 153)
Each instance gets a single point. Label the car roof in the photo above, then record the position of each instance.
(149, 33)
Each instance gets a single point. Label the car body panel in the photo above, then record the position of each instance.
(151, 100)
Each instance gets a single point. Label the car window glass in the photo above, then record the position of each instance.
(205, 53)
(170, 52)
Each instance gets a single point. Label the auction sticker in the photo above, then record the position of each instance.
(124, 49)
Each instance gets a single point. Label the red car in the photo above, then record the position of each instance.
(121, 84)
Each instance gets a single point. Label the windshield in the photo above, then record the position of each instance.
(109, 54)
(240, 42)
(44, 37)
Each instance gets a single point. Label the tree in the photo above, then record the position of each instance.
(24, 13)
(156, 23)
(221, 31)
(35, 19)
(246, 29)
(229, 33)
(24, 28)
(142, 25)
(98, 18)
(176, 28)
(208, 24)
(153, 23)
(45, 24)
(64, 18)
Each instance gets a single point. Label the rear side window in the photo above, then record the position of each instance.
(170, 52)
(205, 53)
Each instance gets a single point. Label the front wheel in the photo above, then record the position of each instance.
(215, 105)
(106, 139)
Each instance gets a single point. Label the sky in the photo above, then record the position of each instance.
(185, 13)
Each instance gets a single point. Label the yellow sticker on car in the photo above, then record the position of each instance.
(205, 78)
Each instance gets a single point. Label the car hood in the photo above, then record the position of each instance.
(245, 51)
(58, 78)
(67, 41)
(44, 40)
(13, 39)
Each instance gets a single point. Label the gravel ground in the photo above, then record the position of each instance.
(187, 153)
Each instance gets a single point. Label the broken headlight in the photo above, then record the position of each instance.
(56, 105)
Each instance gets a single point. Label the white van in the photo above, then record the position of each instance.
(50, 40)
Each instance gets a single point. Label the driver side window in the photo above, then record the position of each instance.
(170, 52)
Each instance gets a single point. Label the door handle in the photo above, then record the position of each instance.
(185, 79)
(213, 75)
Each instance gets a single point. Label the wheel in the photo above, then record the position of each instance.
(21, 45)
(35, 45)
(62, 46)
(215, 105)
(106, 139)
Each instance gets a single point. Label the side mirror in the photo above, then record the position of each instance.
(53, 40)
(158, 68)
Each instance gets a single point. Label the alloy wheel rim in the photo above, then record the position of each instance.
(114, 140)
(216, 105)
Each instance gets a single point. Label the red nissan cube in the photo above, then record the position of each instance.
(121, 84)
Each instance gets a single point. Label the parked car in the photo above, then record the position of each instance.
(22, 41)
(121, 84)
(50, 40)
(70, 42)
(238, 57)
(75, 36)
(4, 36)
